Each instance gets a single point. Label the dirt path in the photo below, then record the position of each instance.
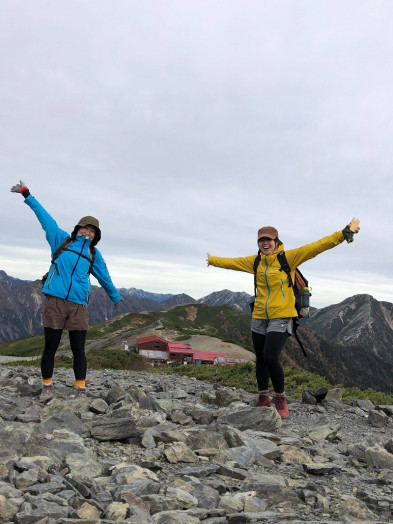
(4, 359)
(206, 343)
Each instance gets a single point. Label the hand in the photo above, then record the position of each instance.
(17, 187)
(354, 225)
(20, 188)
(351, 229)
(117, 305)
(207, 259)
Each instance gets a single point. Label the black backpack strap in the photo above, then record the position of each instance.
(295, 326)
(64, 245)
(66, 242)
(285, 267)
(92, 258)
(256, 264)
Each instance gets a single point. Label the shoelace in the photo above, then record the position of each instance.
(279, 402)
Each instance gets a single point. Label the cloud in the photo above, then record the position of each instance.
(186, 126)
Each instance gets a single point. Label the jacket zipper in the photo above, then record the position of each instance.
(282, 290)
(50, 276)
(73, 271)
(268, 289)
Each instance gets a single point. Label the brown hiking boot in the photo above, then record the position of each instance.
(80, 393)
(263, 400)
(46, 393)
(281, 404)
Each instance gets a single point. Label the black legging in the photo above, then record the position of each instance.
(268, 350)
(52, 341)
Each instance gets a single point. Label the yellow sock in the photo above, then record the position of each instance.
(47, 381)
(80, 383)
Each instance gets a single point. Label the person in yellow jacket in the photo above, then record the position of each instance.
(274, 307)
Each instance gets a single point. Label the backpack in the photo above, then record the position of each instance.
(63, 246)
(300, 289)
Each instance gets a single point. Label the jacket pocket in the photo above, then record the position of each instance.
(282, 289)
(50, 275)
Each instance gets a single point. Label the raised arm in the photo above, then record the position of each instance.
(300, 255)
(54, 234)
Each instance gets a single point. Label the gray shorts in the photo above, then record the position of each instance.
(263, 326)
(62, 314)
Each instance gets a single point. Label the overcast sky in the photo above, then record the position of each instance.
(185, 126)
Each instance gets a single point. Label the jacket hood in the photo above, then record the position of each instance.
(94, 242)
(88, 221)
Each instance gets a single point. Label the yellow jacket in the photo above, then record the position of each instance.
(274, 298)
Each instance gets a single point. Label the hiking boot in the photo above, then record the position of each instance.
(281, 404)
(263, 400)
(46, 393)
(80, 393)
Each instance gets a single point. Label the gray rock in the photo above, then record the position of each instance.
(65, 420)
(179, 452)
(363, 404)
(104, 429)
(14, 438)
(378, 457)
(57, 445)
(324, 430)
(265, 419)
(175, 517)
(334, 395)
(99, 406)
(121, 454)
(308, 397)
(378, 419)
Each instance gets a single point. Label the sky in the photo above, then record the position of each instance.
(184, 127)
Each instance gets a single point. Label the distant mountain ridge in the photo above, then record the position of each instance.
(21, 302)
(140, 293)
(350, 342)
(240, 301)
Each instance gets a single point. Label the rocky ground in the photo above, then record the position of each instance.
(148, 448)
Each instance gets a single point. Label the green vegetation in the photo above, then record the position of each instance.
(243, 376)
(116, 324)
(23, 347)
(115, 359)
(96, 359)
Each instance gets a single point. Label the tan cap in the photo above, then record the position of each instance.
(88, 221)
(268, 231)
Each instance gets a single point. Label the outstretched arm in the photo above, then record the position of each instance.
(238, 264)
(297, 256)
(54, 234)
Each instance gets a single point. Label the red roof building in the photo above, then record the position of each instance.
(158, 349)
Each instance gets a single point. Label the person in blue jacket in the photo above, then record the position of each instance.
(67, 288)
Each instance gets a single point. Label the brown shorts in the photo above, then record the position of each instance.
(62, 314)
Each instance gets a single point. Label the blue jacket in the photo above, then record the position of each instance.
(71, 280)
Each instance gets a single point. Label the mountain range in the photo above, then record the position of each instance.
(21, 302)
(349, 343)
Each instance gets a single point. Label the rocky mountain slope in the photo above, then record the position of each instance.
(352, 342)
(21, 303)
(151, 448)
(237, 300)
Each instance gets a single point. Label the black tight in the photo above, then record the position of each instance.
(52, 341)
(267, 351)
